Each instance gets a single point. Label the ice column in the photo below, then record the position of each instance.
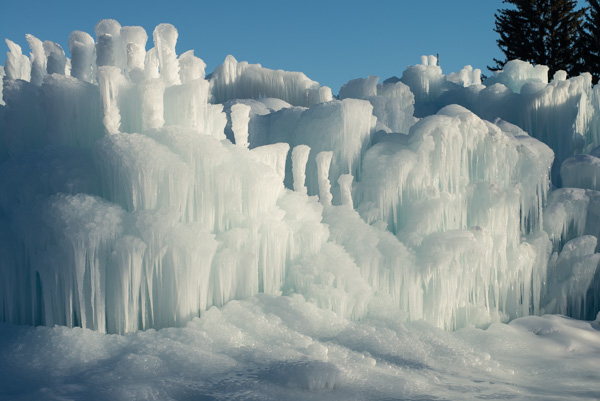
(38, 59)
(273, 156)
(109, 82)
(191, 67)
(152, 104)
(151, 65)
(299, 159)
(56, 61)
(165, 38)
(17, 64)
(134, 39)
(2, 75)
(323, 163)
(81, 46)
(109, 49)
(240, 117)
(345, 183)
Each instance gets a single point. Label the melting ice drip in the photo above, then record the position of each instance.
(124, 206)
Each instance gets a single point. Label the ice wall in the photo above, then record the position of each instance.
(464, 194)
(137, 193)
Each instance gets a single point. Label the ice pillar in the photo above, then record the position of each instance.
(38, 59)
(17, 64)
(345, 183)
(109, 82)
(81, 46)
(165, 38)
(323, 164)
(299, 158)
(240, 117)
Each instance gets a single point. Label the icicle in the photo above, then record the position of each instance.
(300, 155)
(109, 82)
(240, 116)
(323, 162)
(345, 183)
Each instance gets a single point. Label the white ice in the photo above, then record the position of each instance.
(245, 234)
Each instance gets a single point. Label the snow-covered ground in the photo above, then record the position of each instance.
(285, 348)
(245, 235)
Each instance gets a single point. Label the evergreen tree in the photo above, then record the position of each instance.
(591, 40)
(542, 32)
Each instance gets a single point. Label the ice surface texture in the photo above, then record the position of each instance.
(135, 193)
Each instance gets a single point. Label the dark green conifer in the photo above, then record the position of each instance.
(541, 32)
(591, 40)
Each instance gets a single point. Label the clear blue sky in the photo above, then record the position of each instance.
(330, 41)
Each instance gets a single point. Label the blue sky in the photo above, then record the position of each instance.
(330, 41)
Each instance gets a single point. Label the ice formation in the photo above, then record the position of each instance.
(137, 192)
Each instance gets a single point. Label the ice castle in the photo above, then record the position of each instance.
(136, 192)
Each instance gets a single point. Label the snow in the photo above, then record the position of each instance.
(272, 348)
(244, 234)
